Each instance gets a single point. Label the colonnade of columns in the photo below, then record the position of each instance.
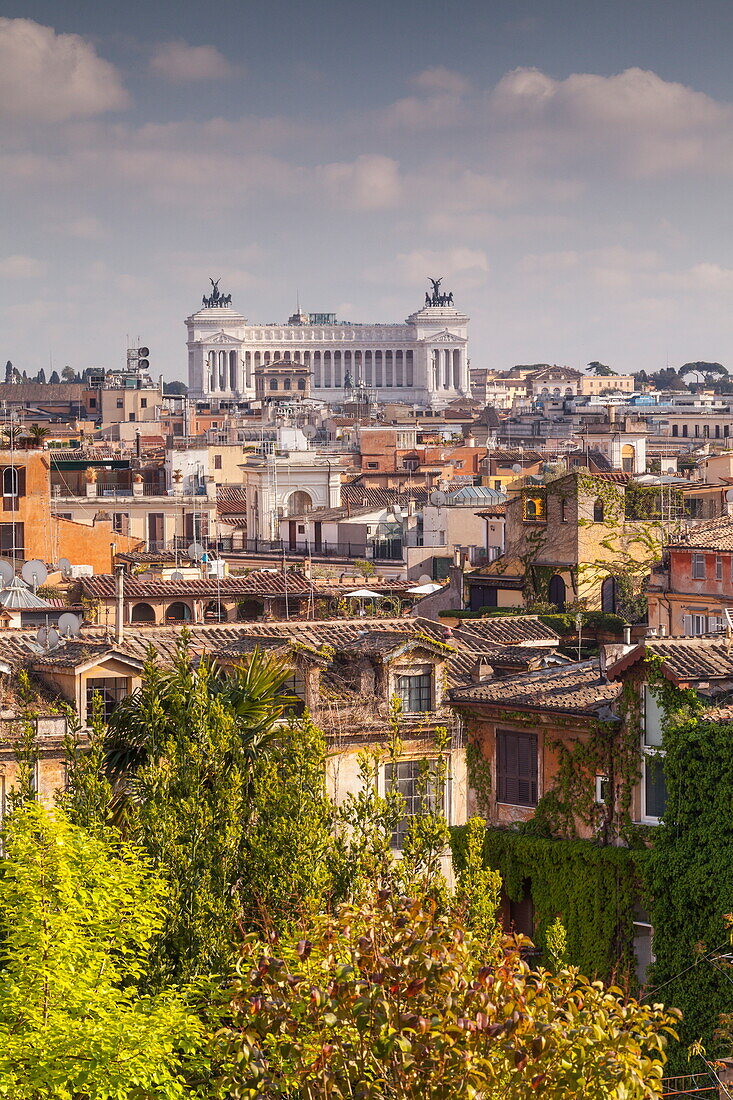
(234, 371)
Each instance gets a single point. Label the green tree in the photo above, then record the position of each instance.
(68, 374)
(35, 435)
(181, 753)
(77, 917)
(286, 866)
(391, 999)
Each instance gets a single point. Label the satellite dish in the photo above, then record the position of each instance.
(6, 573)
(42, 636)
(516, 468)
(425, 579)
(437, 497)
(34, 572)
(65, 566)
(69, 624)
(196, 551)
(53, 637)
(309, 431)
(729, 495)
(177, 576)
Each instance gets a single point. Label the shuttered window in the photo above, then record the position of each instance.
(516, 768)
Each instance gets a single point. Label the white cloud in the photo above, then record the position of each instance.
(21, 267)
(412, 268)
(51, 77)
(371, 182)
(440, 79)
(179, 62)
(635, 119)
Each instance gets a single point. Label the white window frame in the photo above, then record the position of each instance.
(447, 792)
(718, 568)
(698, 562)
(646, 753)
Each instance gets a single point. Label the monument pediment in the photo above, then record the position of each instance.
(444, 337)
(221, 338)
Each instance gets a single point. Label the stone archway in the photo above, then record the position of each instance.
(299, 502)
(142, 613)
(178, 612)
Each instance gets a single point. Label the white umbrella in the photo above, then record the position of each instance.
(424, 589)
(365, 594)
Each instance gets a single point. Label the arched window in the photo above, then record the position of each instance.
(598, 511)
(530, 509)
(10, 482)
(287, 384)
(142, 613)
(608, 596)
(301, 383)
(273, 383)
(556, 592)
(299, 503)
(178, 612)
(214, 611)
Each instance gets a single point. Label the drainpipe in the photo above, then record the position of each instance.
(119, 604)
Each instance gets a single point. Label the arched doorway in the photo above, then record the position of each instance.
(556, 592)
(299, 502)
(628, 458)
(178, 612)
(142, 613)
(609, 596)
(215, 612)
(247, 610)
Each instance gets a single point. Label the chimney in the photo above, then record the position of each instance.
(662, 631)
(119, 604)
(627, 635)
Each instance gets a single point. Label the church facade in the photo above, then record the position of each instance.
(422, 362)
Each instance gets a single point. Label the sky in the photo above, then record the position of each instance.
(564, 165)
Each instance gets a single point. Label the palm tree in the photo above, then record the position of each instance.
(12, 435)
(36, 435)
(172, 703)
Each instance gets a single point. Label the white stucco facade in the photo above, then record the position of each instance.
(423, 361)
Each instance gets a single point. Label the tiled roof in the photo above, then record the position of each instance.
(85, 454)
(364, 496)
(715, 534)
(260, 582)
(505, 630)
(573, 689)
(231, 499)
(689, 660)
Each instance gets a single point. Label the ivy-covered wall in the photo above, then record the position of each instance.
(690, 875)
(593, 889)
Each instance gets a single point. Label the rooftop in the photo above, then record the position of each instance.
(570, 689)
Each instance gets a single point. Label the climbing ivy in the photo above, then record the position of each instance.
(689, 871)
(592, 889)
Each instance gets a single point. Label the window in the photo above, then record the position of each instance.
(654, 788)
(598, 511)
(415, 693)
(119, 522)
(718, 568)
(417, 782)
(556, 592)
(13, 481)
(516, 768)
(131, 417)
(110, 689)
(92, 402)
(12, 539)
(301, 383)
(602, 791)
(563, 511)
(143, 402)
(120, 403)
(698, 567)
(217, 462)
(534, 508)
(684, 429)
(674, 429)
(273, 383)
(372, 465)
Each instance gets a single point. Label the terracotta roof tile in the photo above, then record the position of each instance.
(715, 534)
(259, 582)
(506, 630)
(573, 689)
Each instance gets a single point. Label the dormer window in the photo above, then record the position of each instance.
(415, 693)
